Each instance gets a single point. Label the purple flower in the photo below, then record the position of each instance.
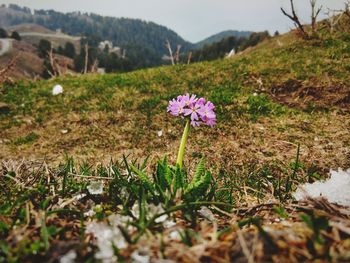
(207, 111)
(199, 110)
(201, 101)
(193, 111)
(196, 123)
(176, 107)
(189, 100)
(210, 121)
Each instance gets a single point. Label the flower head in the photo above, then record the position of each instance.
(198, 110)
(192, 111)
(176, 107)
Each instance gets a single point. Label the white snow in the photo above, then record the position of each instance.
(69, 257)
(95, 188)
(175, 235)
(140, 256)
(152, 210)
(57, 89)
(336, 189)
(106, 237)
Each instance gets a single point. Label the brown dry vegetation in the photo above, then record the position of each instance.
(28, 64)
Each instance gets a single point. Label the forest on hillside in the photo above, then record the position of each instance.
(142, 44)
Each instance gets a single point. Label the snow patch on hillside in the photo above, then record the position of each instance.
(336, 189)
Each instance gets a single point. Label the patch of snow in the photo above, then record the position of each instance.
(175, 235)
(106, 237)
(152, 210)
(95, 188)
(336, 189)
(169, 223)
(135, 210)
(90, 213)
(140, 256)
(57, 89)
(69, 257)
(155, 210)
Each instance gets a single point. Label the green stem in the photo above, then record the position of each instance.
(180, 156)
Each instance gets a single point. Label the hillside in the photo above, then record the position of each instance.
(33, 33)
(219, 36)
(132, 34)
(81, 178)
(28, 65)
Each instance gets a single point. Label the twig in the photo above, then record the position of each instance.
(244, 246)
(222, 211)
(74, 198)
(91, 177)
(18, 182)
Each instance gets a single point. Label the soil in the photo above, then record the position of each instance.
(299, 95)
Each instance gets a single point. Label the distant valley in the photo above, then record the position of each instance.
(114, 44)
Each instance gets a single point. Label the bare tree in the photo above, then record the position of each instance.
(294, 17)
(177, 56)
(347, 9)
(56, 70)
(86, 58)
(189, 58)
(94, 66)
(334, 17)
(314, 14)
(167, 44)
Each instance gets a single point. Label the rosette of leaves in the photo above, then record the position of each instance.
(171, 184)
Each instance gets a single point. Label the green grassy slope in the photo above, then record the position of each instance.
(302, 96)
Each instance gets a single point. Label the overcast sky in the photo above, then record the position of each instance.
(191, 19)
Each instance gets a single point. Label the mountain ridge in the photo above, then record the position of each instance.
(221, 35)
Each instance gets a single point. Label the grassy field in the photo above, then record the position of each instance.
(283, 119)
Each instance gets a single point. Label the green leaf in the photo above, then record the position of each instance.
(200, 170)
(44, 233)
(163, 175)
(143, 177)
(200, 182)
(178, 180)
